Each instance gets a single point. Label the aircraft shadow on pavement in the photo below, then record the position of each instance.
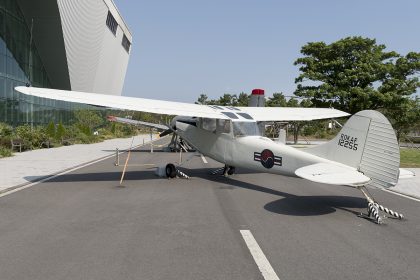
(295, 205)
(102, 176)
(137, 151)
(289, 204)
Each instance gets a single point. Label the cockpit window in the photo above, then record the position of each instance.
(230, 115)
(245, 129)
(208, 124)
(223, 126)
(245, 116)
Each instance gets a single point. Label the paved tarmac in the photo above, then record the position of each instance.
(83, 225)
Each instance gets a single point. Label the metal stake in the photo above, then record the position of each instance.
(117, 157)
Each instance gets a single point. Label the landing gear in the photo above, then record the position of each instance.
(374, 208)
(171, 172)
(227, 170)
(230, 170)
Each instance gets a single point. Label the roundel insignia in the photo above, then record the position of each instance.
(267, 158)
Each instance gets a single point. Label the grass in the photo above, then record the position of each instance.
(410, 158)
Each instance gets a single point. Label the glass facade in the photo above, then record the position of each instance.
(21, 65)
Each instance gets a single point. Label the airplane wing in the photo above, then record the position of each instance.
(329, 173)
(292, 114)
(185, 109)
(138, 123)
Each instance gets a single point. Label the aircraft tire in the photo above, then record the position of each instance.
(231, 170)
(170, 170)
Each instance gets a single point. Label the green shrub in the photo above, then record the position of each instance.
(5, 152)
(85, 129)
(61, 132)
(5, 142)
(39, 135)
(32, 138)
(71, 132)
(50, 130)
(23, 132)
(5, 130)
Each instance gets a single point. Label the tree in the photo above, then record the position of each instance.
(405, 116)
(50, 130)
(243, 99)
(342, 74)
(277, 100)
(228, 100)
(355, 73)
(61, 131)
(203, 99)
(88, 120)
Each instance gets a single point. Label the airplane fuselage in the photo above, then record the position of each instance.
(254, 152)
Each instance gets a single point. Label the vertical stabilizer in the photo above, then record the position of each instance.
(257, 98)
(367, 142)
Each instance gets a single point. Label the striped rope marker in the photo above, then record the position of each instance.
(217, 171)
(368, 208)
(389, 211)
(373, 209)
(182, 174)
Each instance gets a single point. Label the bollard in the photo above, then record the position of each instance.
(117, 157)
(151, 141)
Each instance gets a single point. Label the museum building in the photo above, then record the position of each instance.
(74, 45)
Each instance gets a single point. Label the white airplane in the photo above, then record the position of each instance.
(365, 152)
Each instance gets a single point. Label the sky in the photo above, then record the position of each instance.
(185, 48)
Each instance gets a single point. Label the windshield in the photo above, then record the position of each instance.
(245, 129)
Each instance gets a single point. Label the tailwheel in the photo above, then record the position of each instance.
(373, 208)
(225, 170)
(231, 170)
(228, 170)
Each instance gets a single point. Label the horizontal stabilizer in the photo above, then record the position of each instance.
(329, 173)
(405, 174)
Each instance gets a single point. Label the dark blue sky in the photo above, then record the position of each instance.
(184, 48)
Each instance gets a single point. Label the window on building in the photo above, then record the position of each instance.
(111, 23)
(126, 43)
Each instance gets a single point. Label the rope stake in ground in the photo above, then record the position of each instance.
(126, 161)
(374, 207)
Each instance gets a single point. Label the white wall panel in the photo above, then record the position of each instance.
(96, 59)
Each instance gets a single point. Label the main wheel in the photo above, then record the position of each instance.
(170, 170)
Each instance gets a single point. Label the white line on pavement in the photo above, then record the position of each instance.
(259, 257)
(401, 194)
(55, 176)
(203, 158)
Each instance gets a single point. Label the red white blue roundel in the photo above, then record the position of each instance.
(267, 158)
